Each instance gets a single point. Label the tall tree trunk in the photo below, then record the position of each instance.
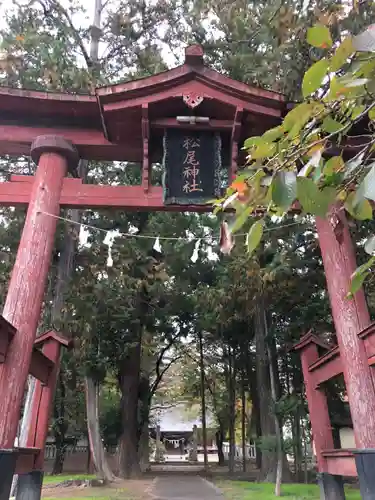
(298, 445)
(96, 444)
(60, 426)
(144, 415)
(256, 428)
(145, 398)
(203, 399)
(279, 438)
(268, 465)
(232, 411)
(219, 438)
(298, 431)
(129, 385)
(243, 423)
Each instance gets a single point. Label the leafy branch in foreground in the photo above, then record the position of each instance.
(313, 160)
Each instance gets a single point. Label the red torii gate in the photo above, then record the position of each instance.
(127, 122)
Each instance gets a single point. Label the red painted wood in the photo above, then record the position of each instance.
(340, 462)
(91, 144)
(42, 403)
(11, 92)
(76, 194)
(26, 460)
(208, 92)
(350, 318)
(41, 367)
(368, 337)
(173, 123)
(317, 403)
(329, 365)
(26, 289)
(326, 367)
(52, 334)
(194, 55)
(308, 338)
(171, 78)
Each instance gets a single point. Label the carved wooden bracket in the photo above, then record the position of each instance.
(145, 139)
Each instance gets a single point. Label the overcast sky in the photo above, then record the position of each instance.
(82, 20)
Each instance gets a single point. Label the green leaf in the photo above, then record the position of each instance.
(241, 219)
(360, 275)
(254, 236)
(251, 142)
(342, 54)
(370, 245)
(333, 165)
(358, 110)
(314, 77)
(263, 150)
(313, 200)
(344, 87)
(319, 36)
(273, 134)
(284, 189)
(371, 114)
(360, 210)
(330, 125)
(357, 281)
(301, 114)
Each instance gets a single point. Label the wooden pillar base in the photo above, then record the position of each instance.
(331, 487)
(29, 486)
(7, 467)
(365, 462)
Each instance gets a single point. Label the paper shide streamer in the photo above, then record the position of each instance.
(109, 240)
(157, 246)
(195, 254)
(226, 239)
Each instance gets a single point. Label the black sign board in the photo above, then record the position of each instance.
(192, 164)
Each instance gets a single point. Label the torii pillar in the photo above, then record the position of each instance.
(350, 318)
(53, 155)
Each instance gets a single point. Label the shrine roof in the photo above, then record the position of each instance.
(113, 117)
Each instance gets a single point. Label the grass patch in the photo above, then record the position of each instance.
(65, 477)
(243, 490)
(96, 494)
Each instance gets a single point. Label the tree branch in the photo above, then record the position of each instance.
(160, 375)
(62, 11)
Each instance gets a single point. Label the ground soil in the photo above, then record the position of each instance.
(130, 489)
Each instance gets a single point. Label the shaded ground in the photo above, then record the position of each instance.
(184, 488)
(240, 490)
(121, 490)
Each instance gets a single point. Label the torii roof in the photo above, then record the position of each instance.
(113, 115)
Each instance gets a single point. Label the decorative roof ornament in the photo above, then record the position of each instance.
(194, 55)
(192, 99)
